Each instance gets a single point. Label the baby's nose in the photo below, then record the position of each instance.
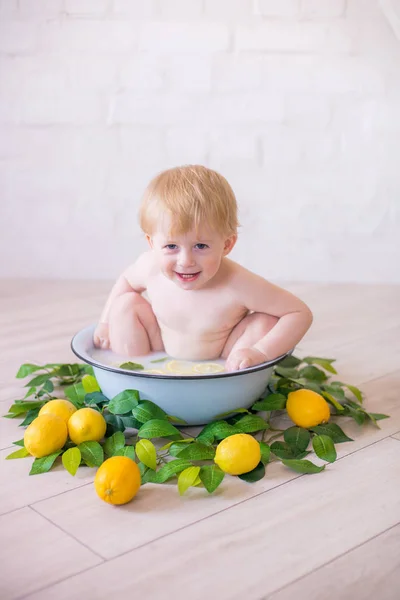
(186, 259)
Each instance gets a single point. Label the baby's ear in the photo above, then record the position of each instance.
(229, 244)
(149, 240)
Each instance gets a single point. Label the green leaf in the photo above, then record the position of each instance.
(146, 410)
(211, 476)
(230, 412)
(19, 442)
(76, 394)
(71, 459)
(359, 416)
(265, 452)
(95, 398)
(30, 416)
(297, 438)
(38, 380)
(254, 475)
(128, 451)
(176, 420)
(124, 402)
(48, 386)
(114, 423)
(186, 479)
(175, 447)
(313, 373)
(290, 362)
(282, 450)
(90, 384)
(303, 466)
(156, 428)
(146, 453)
(42, 465)
(324, 447)
(19, 408)
(71, 370)
(21, 453)
(170, 469)
(197, 451)
(30, 392)
(131, 366)
(376, 416)
(325, 363)
(287, 373)
(92, 453)
(159, 360)
(354, 390)
(114, 443)
(331, 400)
(251, 423)
(334, 432)
(271, 402)
(336, 391)
(27, 369)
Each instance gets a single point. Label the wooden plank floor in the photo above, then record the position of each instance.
(335, 535)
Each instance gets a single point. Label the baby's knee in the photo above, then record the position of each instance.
(127, 303)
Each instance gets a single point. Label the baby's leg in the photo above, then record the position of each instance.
(133, 326)
(248, 332)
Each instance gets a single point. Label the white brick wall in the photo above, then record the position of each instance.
(296, 102)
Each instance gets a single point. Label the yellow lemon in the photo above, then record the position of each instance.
(45, 435)
(60, 407)
(237, 454)
(208, 368)
(86, 425)
(117, 480)
(179, 367)
(307, 408)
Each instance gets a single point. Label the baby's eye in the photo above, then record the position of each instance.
(171, 247)
(201, 246)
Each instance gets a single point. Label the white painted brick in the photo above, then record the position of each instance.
(290, 72)
(181, 10)
(228, 10)
(288, 36)
(135, 9)
(348, 74)
(84, 8)
(40, 8)
(8, 9)
(186, 145)
(278, 8)
(142, 71)
(233, 144)
(363, 10)
(308, 111)
(88, 72)
(247, 108)
(235, 72)
(144, 145)
(189, 73)
(281, 146)
(388, 115)
(17, 37)
(183, 37)
(52, 106)
(295, 36)
(95, 37)
(155, 109)
(316, 9)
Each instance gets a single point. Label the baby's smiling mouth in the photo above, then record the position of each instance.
(187, 276)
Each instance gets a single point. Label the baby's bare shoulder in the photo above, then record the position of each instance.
(237, 275)
(138, 273)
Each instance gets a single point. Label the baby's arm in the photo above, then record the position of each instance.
(261, 296)
(133, 279)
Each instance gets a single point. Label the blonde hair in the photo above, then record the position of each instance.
(190, 196)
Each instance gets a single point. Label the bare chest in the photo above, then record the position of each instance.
(200, 312)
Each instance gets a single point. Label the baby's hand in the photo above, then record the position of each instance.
(242, 359)
(101, 338)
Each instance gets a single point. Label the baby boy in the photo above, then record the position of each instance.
(200, 304)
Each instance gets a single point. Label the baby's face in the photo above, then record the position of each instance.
(190, 260)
